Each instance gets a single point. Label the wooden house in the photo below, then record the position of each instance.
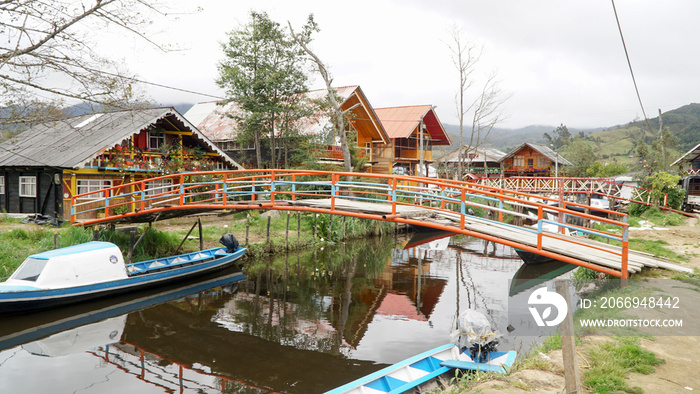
(476, 163)
(413, 131)
(42, 168)
(532, 160)
(218, 122)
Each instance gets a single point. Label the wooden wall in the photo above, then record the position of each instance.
(48, 200)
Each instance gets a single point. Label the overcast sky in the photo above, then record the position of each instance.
(562, 61)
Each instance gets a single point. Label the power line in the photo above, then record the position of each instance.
(157, 84)
(629, 63)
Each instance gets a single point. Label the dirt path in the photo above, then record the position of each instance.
(684, 240)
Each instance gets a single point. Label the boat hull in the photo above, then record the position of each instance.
(14, 302)
(534, 258)
(422, 368)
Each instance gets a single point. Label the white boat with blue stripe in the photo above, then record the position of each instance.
(97, 269)
(424, 367)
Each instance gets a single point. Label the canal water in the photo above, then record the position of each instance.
(302, 323)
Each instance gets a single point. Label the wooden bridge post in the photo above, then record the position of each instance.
(572, 378)
(587, 211)
(201, 236)
(247, 227)
(286, 233)
(132, 239)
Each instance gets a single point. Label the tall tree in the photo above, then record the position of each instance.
(264, 74)
(48, 50)
(486, 107)
(339, 115)
(559, 138)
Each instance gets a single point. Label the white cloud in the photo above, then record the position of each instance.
(563, 61)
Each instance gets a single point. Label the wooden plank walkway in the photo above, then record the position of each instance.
(598, 253)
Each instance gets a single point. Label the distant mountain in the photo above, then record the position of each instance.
(181, 107)
(619, 143)
(683, 122)
(85, 108)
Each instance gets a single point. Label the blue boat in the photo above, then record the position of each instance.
(20, 329)
(424, 367)
(97, 269)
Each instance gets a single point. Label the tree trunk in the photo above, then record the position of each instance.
(337, 110)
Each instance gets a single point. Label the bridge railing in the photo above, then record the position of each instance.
(595, 186)
(278, 189)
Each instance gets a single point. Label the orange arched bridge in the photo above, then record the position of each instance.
(427, 202)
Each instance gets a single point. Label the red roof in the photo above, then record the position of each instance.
(401, 122)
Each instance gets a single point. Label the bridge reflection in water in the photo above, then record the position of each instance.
(298, 324)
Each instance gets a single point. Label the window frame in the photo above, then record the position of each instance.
(23, 183)
(159, 184)
(160, 137)
(93, 188)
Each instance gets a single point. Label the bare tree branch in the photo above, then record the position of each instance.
(338, 114)
(486, 108)
(50, 51)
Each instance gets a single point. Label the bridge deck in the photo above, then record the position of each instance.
(603, 254)
(428, 202)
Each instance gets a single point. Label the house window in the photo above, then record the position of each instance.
(93, 185)
(542, 162)
(158, 186)
(519, 161)
(530, 162)
(155, 141)
(27, 186)
(2, 184)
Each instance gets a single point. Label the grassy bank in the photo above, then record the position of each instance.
(18, 240)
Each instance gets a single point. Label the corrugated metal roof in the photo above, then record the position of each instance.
(401, 122)
(73, 142)
(213, 119)
(545, 151)
(490, 154)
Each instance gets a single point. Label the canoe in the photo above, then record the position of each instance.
(20, 329)
(533, 258)
(96, 269)
(422, 368)
(531, 275)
